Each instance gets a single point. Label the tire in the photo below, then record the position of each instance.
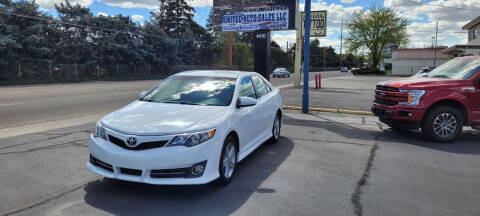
(288, 76)
(276, 128)
(449, 117)
(227, 172)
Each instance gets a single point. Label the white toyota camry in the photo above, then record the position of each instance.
(192, 128)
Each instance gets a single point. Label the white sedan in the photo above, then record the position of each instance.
(192, 128)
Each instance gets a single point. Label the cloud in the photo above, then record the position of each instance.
(137, 18)
(451, 16)
(151, 4)
(348, 1)
(102, 14)
(50, 4)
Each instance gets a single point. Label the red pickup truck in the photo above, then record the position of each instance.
(441, 102)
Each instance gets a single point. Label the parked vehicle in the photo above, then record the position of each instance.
(424, 71)
(281, 72)
(344, 69)
(192, 128)
(440, 103)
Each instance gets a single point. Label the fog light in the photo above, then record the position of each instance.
(198, 169)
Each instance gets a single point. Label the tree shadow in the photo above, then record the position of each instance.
(126, 198)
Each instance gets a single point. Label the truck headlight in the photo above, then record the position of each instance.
(192, 139)
(413, 97)
(99, 131)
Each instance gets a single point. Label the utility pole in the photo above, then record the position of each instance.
(324, 48)
(306, 56)
(435, 49)
(230, 49)
(298, 48)
(341, 43)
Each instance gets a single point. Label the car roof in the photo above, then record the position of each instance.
(215, 73)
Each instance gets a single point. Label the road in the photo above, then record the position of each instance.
(324, 164)
(24, 105)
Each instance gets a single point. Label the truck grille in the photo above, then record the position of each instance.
(390, 96)
(142, 146)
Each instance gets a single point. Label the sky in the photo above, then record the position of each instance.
(422, 16)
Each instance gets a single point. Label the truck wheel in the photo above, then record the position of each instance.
(442, 124)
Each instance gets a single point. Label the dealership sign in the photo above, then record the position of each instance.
(318, 27)
(251, 15)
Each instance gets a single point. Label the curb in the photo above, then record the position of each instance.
(318, 109)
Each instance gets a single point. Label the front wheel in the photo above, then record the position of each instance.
(228, 161)
(442, 124)
(277, 125)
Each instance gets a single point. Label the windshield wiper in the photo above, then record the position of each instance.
(440, 76)
(181, 102)
(146, 100)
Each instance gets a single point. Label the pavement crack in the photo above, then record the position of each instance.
(56, 146)
(54, 136)
(329, 141)
(50, 198)
(356, 195)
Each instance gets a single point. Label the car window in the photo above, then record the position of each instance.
(246, 88)
(260, 86)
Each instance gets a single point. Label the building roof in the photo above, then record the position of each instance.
(419, 49)
(471, 23)
(457, 48)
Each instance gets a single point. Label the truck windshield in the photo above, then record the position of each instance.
(460, 68)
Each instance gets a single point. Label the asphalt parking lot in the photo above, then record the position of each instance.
(324, 164)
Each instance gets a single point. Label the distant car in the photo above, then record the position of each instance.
(343, 69)
(281, 72)
(424, 71)
(192, 128)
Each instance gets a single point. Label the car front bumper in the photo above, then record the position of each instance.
(396, 113)
(160, 166)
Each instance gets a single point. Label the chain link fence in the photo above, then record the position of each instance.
(25, 73)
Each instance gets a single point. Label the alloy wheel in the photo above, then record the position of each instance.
(229, 160)
(445, 125)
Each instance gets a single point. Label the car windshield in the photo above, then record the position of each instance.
(194, 90)
(460, 68)
(280, 69)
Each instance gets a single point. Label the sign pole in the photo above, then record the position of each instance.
(306, 57)
(230, 49)
(298, 48)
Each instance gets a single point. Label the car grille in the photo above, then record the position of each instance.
(170, 173)
(101, 164)
(390, 96)
(133, 172)
(142, 146)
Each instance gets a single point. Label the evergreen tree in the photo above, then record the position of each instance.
(173, 16)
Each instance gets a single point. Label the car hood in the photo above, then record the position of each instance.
(149, 118)
(422, 83)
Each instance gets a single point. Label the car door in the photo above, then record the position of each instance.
(265, 105)
(476, 101)
(247, 121)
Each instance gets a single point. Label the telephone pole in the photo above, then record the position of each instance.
(341, 43)
(435, 49)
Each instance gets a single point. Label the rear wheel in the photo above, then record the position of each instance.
(442, 124)
(228, 161)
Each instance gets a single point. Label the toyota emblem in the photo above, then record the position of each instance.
(132, 141)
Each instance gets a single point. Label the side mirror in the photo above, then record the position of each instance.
(143, 93)
(246, 102)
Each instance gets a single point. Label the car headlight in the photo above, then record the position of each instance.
(99, 131)
(413, 97)
(192, 139)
